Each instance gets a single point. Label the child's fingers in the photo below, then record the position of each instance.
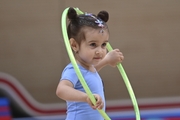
(100, 106)
(117, 50)
(99, 102)
(120, 54)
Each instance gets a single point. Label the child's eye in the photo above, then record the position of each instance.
(104, 44)
(93, 44)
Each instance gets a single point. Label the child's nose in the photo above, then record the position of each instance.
(99, 51)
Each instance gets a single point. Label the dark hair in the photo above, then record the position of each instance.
(78, 22)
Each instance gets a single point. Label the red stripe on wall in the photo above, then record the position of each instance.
(63, 111)
(34, 108)
(4, 108)
(5, 118)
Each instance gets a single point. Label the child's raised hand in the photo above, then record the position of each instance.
(114, 57)
(99, 102)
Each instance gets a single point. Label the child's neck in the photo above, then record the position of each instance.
(86, 66)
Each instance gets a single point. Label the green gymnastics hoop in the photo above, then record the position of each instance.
(78, 72)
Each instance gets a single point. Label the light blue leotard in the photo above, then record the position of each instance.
(82, 110)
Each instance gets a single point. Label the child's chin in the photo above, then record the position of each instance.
(95, 63)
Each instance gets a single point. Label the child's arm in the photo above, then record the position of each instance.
(112, 58)
(66, 91)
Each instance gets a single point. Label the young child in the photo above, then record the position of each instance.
(88, 35)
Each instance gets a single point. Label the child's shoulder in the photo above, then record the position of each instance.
(69, 67)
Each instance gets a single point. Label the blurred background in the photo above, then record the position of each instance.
(33, 55)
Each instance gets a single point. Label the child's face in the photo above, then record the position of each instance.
(93, 48)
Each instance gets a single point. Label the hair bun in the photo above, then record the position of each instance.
(72, 15)
(103, 15)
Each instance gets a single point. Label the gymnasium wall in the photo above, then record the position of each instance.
(146, 31)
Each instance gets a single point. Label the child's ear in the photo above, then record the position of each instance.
(74, 45)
